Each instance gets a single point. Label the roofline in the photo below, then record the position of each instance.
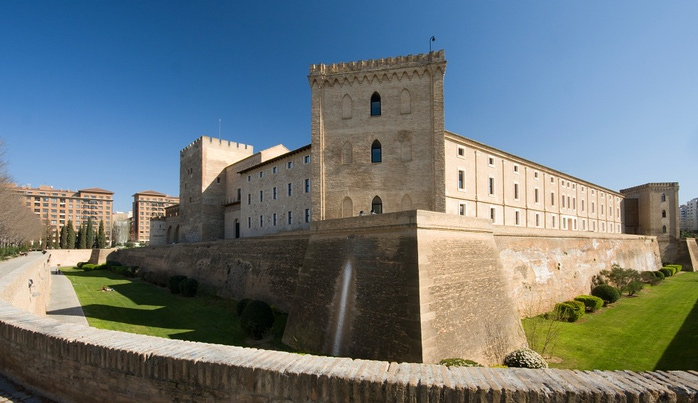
(282, 156)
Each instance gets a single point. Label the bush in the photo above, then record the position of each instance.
(607, 293)
(257, 319)
(570, 311)
(591, 303)
(458, 362)
(173, 283)
(666, 272)
(525, 358)
(88, 266)
(80, 264)
(650, 277)
(241, 305)
(188, 287)
(659, 275)
(634, 287)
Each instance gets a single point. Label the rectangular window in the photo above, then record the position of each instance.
(516, 218)
(535, 195)
(249, 178)
(273, 193)
(249, 222)
(490, 161)
(307, 186)
(461, 180)
(249, 198)
(261, 174)
(289, 165)
(493, 214)
(537, 220)
(582, 205)
(273, 219)
(516, 168)
(535, 174)
(307, 215)
(461, 209)
(563, 201)
(461, 151)
(516, 191)
(261, 221)
(290, 189)
(306, 159)
(552, 198)
(261, 195)
(290, 218)
(274, 170)
(491, 186)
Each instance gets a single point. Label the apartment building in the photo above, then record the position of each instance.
(55, 207)
(689, 215)
(147, 205)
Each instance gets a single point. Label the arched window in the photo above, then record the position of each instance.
(376, 152)
(346, 107)
(347, 157)
(377, 205)
(663, 213)
(347, 207)
(375, 104)
(663, 197)
(664, 229)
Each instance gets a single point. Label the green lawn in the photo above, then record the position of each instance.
(656, 330)
(139, 307)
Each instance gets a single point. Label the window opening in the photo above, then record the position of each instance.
(375, 104)
(377, 206)
(376, 152)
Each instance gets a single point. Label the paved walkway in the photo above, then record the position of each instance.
(63, 306)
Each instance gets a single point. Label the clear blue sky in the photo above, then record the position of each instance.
(106, 93)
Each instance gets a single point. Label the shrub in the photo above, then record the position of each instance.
(666, 272)
(458, 362)
(80, 264)
(650, 278)
(257, 319)
(241, 305)
(88, 266)
(525, 358)
(591, 303)
(569, 311)
(634, 287)
(173, 283)
(188, 287)
(659, 275)
(607, 293)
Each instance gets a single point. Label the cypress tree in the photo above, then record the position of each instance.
(101, 236)
(71, 235)
(82, 238)
(64, 238)
(89, 235)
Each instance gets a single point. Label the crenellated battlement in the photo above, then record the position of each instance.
(215, 142)
(409, 61)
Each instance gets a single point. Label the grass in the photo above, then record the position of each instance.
(656, 330)
(139, 307)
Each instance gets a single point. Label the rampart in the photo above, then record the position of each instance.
(72, 363)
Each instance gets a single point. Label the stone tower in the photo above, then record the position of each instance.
(377, 136)
(653, 209)
(202, 186)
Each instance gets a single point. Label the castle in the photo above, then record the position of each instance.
(378, 144)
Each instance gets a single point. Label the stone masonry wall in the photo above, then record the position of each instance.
(257, 268)
(546, 267)
(72, 363)
(28, 287)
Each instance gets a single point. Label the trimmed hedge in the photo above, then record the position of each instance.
(659, 274)
(606, 292)
(173, 283)
(591, 303)
(188, 287)
(570, 311)
(667, 272)
(257, 319)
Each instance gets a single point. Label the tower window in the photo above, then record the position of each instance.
(375, 104)
(376, 152)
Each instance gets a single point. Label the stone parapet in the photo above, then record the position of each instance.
(71, 363)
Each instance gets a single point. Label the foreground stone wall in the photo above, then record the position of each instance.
(256, 268)
(72, 363)
(28, 287)
(546, 267)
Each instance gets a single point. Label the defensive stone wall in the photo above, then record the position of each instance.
(547, 266)
(70, 257)
(28, 287)
(256, 268)
(691, 251)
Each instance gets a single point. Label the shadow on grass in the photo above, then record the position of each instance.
(682, 352)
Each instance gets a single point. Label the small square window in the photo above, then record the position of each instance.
(490, 161)
(274, 169)
(306, 159)
(516, 168)
(461, 151)
(261, 174)
(289, 165)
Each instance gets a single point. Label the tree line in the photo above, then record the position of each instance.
(85, 238)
